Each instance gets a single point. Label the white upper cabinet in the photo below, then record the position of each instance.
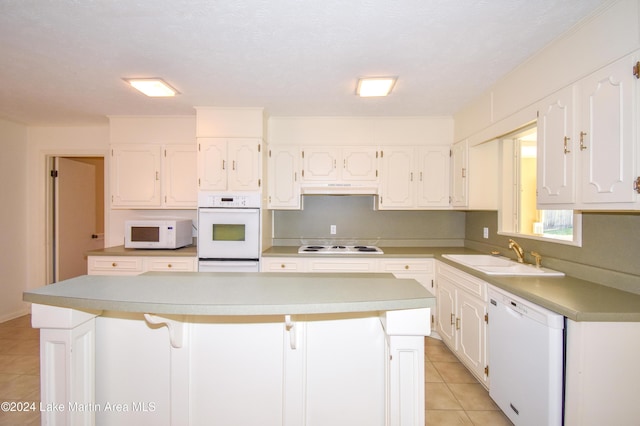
(153, 176)
(179, 184)
(336, 165)
(587, 143)
(397, 186)
(555, 151)
(606, 138)
(284, 178)
(474, 175)
(414, 177)
(433, 176)
(229, 164)
(459, 166)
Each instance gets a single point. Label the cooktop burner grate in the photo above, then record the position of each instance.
(340, 249)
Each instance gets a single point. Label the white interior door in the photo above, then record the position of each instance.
(75, 207)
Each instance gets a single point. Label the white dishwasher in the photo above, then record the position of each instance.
(526, 359)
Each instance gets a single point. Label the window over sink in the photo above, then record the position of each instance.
(518, 215)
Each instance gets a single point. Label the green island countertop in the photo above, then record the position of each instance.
(252, 293)
(576, 299)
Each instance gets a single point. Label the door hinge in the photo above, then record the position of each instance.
(259, 148)
(431, 283)
(302, 153)
(381, 153)
(269, 153)
(636, 185)
(486, 318)
(54, 173)
(259, 183)
(486, 370)
(636, 70)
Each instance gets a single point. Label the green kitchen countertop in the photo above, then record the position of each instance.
(253, 293)
(576, 299)
(188, 251)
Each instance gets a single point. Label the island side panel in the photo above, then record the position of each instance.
(67, 364)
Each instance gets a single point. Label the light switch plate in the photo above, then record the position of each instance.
(485, 232)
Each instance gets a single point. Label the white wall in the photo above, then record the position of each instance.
(14, 260)
(51, 141)
(610, 34)
(341, 131)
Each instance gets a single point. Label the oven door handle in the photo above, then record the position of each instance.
(219, 211)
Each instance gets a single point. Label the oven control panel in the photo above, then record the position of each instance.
(230, 200)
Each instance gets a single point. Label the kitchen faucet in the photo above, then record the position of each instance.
(516, 247)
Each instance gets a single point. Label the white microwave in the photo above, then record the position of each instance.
(157, 234)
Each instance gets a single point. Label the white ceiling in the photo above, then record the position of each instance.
(62, 61)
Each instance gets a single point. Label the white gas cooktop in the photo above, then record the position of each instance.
(339, 249)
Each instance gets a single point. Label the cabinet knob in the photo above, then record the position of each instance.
(282, 266)
(114, 264)
(406, 266)
(169, 266)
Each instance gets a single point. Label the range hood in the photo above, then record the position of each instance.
(338, 189)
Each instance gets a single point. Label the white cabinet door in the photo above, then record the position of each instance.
(244, 157)
(180, 180)
(212, 164)
(284, 186)
(471, 329)
(229, 164)
(446, 314)
(396, 190)
(337, 165)
(462, 321)
(359, 164)
(556, 152)
(320, 164)
(433, 177)
(135, 175)
(606, 137)
(459, 165)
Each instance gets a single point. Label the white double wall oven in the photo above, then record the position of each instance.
(228, 232)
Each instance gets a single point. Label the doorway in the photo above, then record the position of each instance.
(76, 206)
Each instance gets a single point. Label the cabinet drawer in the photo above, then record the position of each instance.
(467, 282)
(341, 265)
(168, 264)
(406, 266)
(282, 265)
(119, 265)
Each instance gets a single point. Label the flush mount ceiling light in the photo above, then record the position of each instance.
(377, 86)
(153, 87)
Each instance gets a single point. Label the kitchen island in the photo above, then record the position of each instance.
(244, 348)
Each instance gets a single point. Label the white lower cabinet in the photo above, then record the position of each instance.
(422, 270)
(337, 369)
(136, 265)
(340, 265)
(461, 318)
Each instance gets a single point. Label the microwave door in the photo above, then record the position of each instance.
(229, 234)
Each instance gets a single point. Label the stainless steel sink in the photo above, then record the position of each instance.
(499, 265)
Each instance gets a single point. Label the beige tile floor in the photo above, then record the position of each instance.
(20, 370)
(453, 395)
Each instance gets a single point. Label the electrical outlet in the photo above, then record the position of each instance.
(485, 232)
(333, 230)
